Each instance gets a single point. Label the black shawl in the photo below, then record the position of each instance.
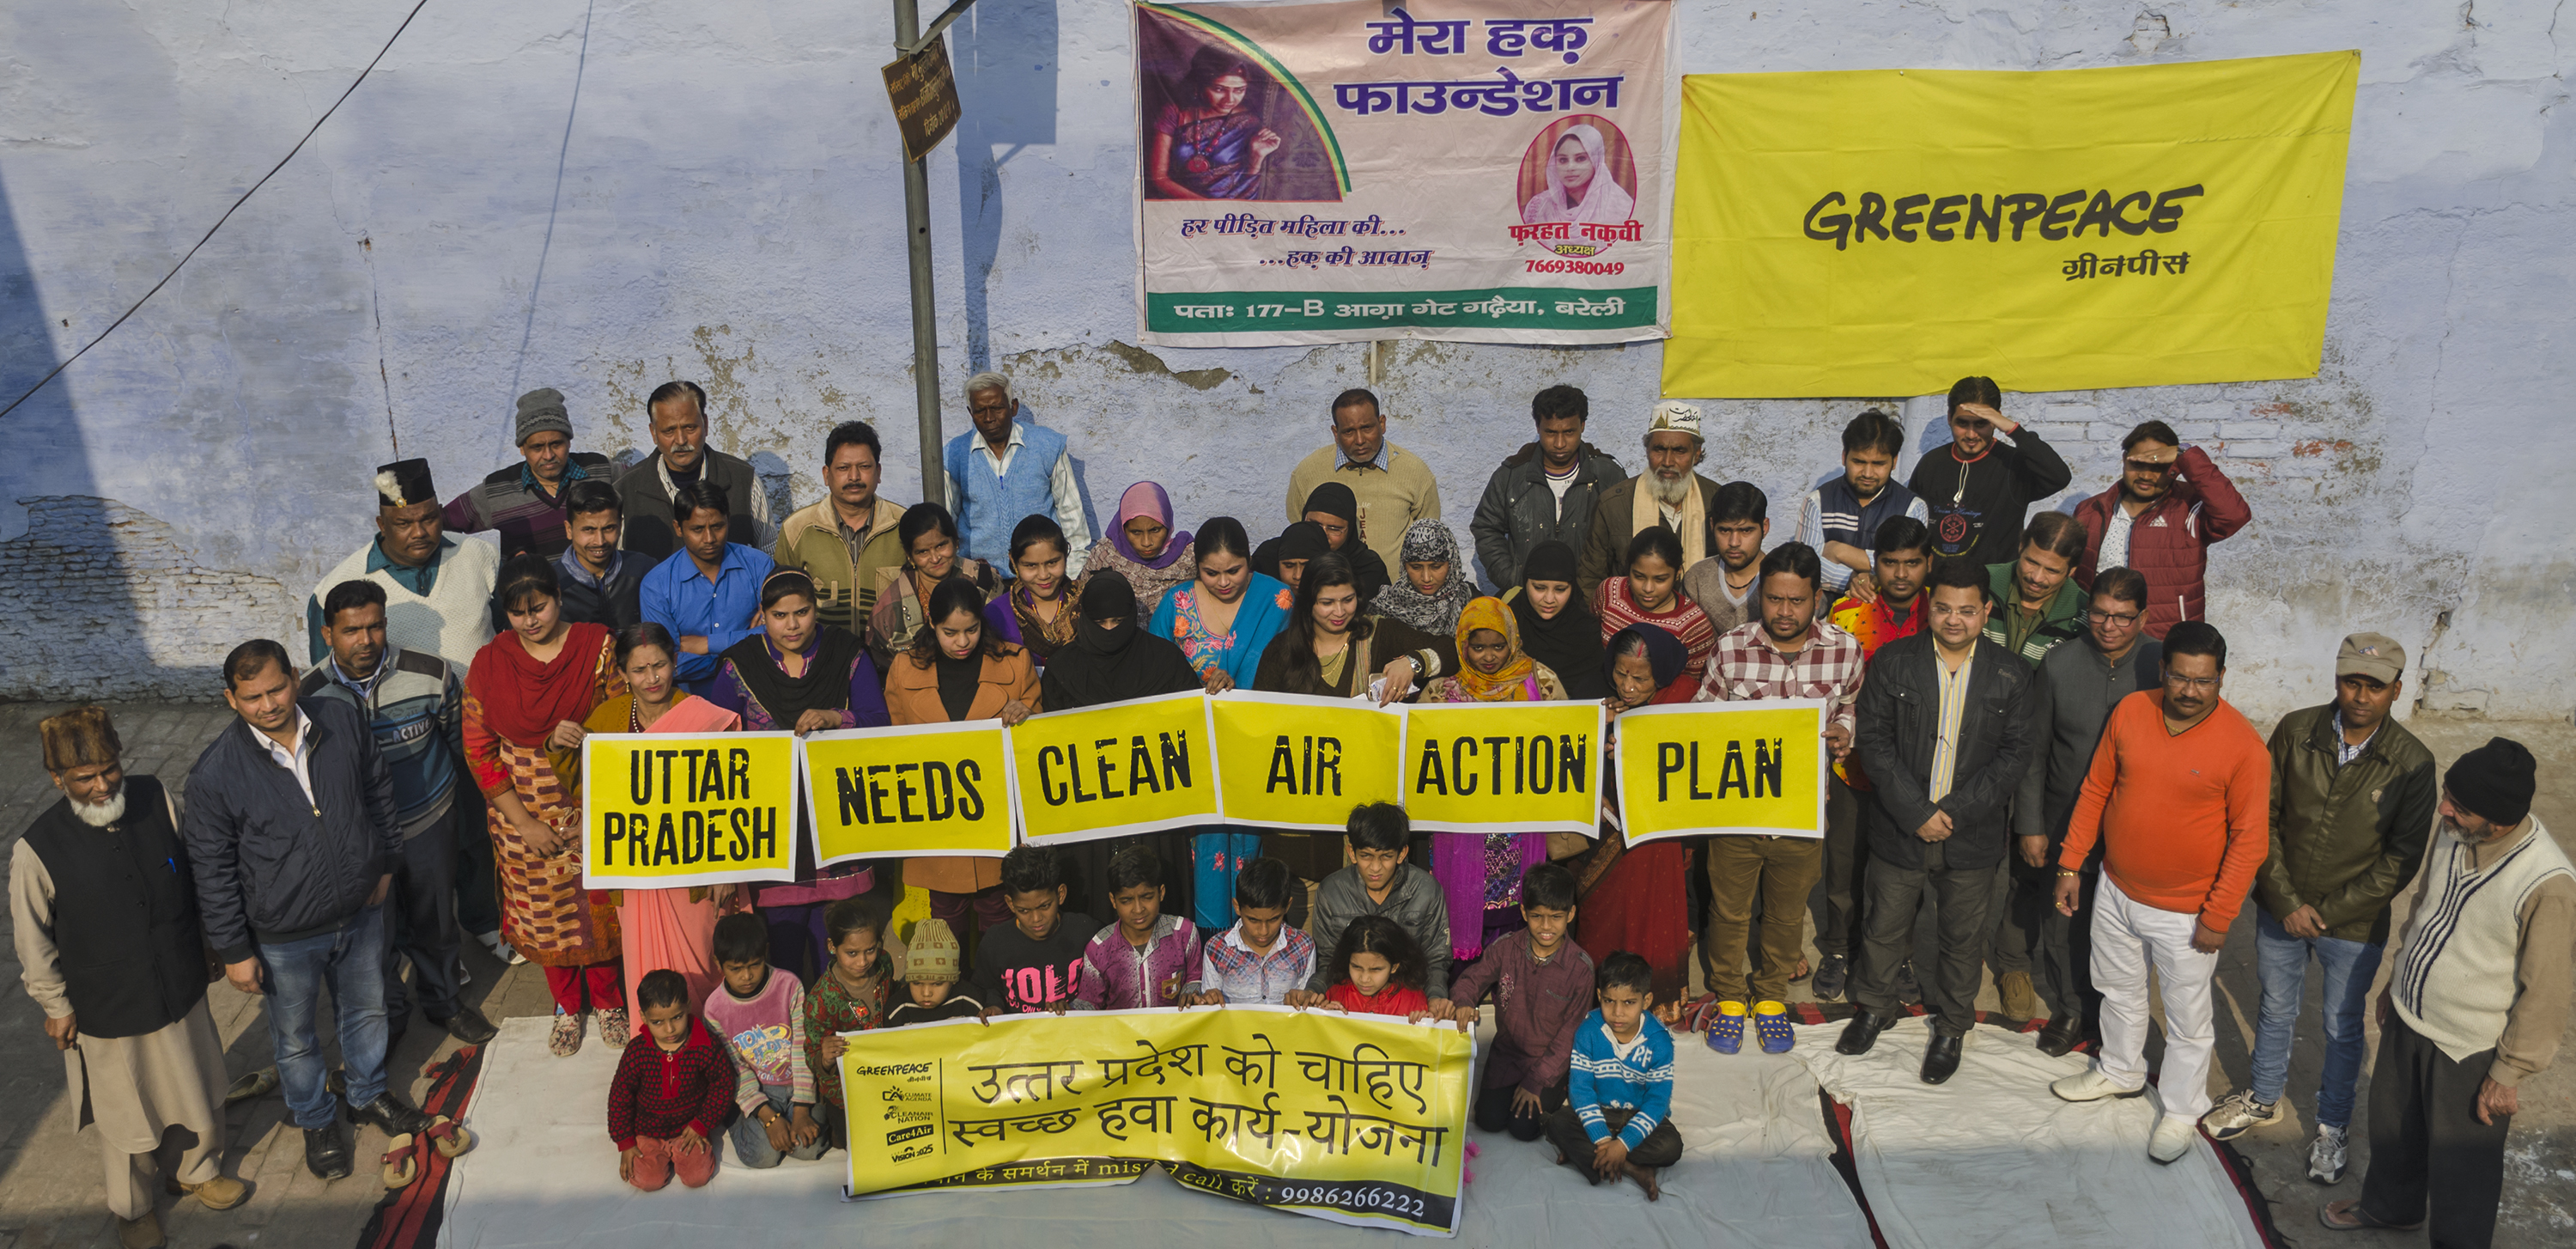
(1107, 665)
(824, 687)
(1569, 645)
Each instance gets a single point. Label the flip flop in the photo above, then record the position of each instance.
(2357, 1218)
(401, 1163)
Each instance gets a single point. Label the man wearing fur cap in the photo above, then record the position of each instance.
(105, 913)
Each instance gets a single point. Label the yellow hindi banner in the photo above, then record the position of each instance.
(1886, 232)
(1292, 761)
(661, 810)
(919, 789)
(1357, 1120)
(1139, 765)
(1698, 768)
(1503, 767)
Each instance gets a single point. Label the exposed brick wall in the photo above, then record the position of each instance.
(107, 602)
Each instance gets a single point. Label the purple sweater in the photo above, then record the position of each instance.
(1537, 1007)
(1118, 976)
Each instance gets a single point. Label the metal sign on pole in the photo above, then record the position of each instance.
(923, 90)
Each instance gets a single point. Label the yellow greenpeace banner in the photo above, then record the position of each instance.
(919, 789)
(1289, 761)
(1886, 232)
(1503, 767)
(1356, 1120)
(1136, 766)
(661, 810)
(1700, 768)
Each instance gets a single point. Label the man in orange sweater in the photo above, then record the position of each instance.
(2180, 798)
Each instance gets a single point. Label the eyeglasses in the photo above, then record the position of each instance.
(2114, 619)
(2158, 467)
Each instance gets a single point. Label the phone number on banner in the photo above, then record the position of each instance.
(1375, 1197)
(1524, 307)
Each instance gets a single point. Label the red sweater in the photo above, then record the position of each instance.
(2184, 820)
(1398, 1000)
(656, 1094)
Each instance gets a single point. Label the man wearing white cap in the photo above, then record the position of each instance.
(1669, 493)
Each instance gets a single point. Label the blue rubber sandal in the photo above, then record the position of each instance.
(1726, 1028)
(1771, 1024)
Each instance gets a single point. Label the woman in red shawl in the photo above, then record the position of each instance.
(525, 698)
(1634, 899)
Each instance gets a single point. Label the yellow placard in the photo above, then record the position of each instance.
(1503, 767)
(1697, 768)
(661, 810)
(1136, 766)
(918, 789)
(1358, 1120)
(1291, 761)
(1886, 232)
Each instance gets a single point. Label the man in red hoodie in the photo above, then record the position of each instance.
(2170, 503)
(2180, 797)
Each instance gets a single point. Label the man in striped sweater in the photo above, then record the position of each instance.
(1619, 1086)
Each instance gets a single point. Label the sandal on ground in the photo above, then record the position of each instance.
(1726, 1028)
(2348, 1216)
(1771, 1023)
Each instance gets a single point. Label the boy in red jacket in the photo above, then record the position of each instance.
(673, 1089)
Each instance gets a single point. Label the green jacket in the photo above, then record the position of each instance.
(811, 539)
(2063, 618)
(2345, 839)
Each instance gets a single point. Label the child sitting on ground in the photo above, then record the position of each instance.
(850, 996)
(761, 1016)
(930, 979)
(672, 1090)
(1620, 1085)
(1147, 958)
(1378, 881)
(1261, 959)
(1539, 979)
(1378, 971)
(1034, 963)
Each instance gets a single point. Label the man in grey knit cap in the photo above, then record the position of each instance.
(525, 501)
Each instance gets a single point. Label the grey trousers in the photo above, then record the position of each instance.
(1961, 897)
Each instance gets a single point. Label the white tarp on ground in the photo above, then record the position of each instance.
(1755, 1174)
(1993, 1159)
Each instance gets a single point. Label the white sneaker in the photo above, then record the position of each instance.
(2092, 1085)
(2325, 1158)
(2172, 1139)
(2238, 1113)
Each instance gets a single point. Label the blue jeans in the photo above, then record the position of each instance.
(2281, 963)
(352, 961)
(751, 1141)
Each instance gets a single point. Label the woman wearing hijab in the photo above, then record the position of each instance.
(658, 928)
(1043, 600)
(526, 696)
(1335, 510)
(928, 535)
(1556, 628)
(1222, 620)
(958, 671)
(1284, 558)
(1579, 185)
(800, 674)
(1112, 659)
(1142, 546)
(1434, 587)
(1480, 873)
(1637, 899)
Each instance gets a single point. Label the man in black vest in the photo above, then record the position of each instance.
(294, 831)
(105, 914)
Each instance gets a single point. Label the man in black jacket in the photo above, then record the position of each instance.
(1545, 491)
(1978, 490)
(293, 831)
(1945, 732)
(601, 583)
(676, 416)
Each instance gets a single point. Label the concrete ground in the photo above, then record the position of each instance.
(49, 1175)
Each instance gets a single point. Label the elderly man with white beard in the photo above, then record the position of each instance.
(105, 913)
(1669, 493)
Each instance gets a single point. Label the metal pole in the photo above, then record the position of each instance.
(925, 329)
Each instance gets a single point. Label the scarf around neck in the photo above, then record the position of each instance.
(1148, 500)
(825, 685)
(1426, 541)
(1514, 680)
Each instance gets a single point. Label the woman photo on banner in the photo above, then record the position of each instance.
(671, 928)
(1581, 174)
(1207, 144)
(958, 670)
(1222, 619)
(1480, 873)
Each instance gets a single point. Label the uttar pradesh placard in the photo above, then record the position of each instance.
(1290, 761)
(661, 810)
(1489, 171)
(1700, 768)
(1357, 1120)
(1503, 767)
(918, 789)
(1137, 766)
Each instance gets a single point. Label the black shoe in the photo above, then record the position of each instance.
(2058, 1039)
(468, 1025)
(1830, 976)
(390, 1116)
(1862, 1032)
(1941, 1057)
(326, 1151)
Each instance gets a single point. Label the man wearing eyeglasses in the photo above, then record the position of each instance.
(2079, 684)
(2170, 503)
(2179, 797)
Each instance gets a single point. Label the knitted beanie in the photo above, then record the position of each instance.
(933, 956)
(2494, 782)
(542, 411)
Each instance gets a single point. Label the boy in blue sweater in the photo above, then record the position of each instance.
(1619, 1085)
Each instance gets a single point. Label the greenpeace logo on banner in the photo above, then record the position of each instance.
(1909, 217)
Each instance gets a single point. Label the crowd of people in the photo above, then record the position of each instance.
(2035, 775)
